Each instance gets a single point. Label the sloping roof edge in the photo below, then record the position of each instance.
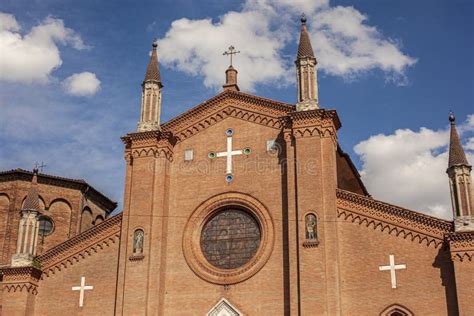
(78, 244)
(193, 112)
(394, 215)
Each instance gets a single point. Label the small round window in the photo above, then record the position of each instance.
(46, 226)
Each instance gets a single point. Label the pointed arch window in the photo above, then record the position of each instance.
(396, 310)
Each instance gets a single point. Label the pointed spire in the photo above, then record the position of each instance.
(153, 71)
(32, 199)
(304, 48)
(306, 72)
(457, 157)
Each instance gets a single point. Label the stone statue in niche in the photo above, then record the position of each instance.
(138, 242)
(310, 223)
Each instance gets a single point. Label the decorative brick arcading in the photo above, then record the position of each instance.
(461, 246)
(18, 279)
(151, 143)
(228, 104)
(320, 122)
(393, 219)
(47, 179)
(81, 246)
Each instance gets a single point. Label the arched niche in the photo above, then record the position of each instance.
(59, 212)
(4, 201)
(4, 206)
(99, 219)
(86, 219)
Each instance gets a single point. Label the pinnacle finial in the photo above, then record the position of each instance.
(303, 19)
(155, 43)
(451, 117)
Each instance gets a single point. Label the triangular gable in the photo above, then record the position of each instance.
(228, 104)
(81, 246)
(392, 219)
(224, 308)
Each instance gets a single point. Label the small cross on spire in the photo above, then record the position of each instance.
(230, 52)
(40, 167)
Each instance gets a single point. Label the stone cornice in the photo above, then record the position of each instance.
(393, 219)
(85, 244)
(461, 246)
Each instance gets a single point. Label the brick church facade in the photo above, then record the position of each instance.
(240, 206)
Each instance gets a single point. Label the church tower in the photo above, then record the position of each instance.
(460, 182)
(151, 96)
(306, 72)
(28, 227)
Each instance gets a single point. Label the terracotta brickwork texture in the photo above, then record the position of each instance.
(336, 273)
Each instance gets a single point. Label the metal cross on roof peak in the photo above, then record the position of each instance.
(230, 52)
(40, 167)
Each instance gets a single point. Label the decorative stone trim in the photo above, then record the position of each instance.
(81, 246)
(386, 217)
(192, 233)
(461, 246)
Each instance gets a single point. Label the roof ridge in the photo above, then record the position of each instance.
(80, 242)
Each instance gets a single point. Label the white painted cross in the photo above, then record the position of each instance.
(229, 153)
(83, 287)
(392, 267)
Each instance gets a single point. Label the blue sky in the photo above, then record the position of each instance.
(392, 69)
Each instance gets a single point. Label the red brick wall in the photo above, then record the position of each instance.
(55, 296)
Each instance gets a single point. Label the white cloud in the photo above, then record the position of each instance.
(32, 57)
(344, 44)
(408, 168)
(196, 47)
(82, 84)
